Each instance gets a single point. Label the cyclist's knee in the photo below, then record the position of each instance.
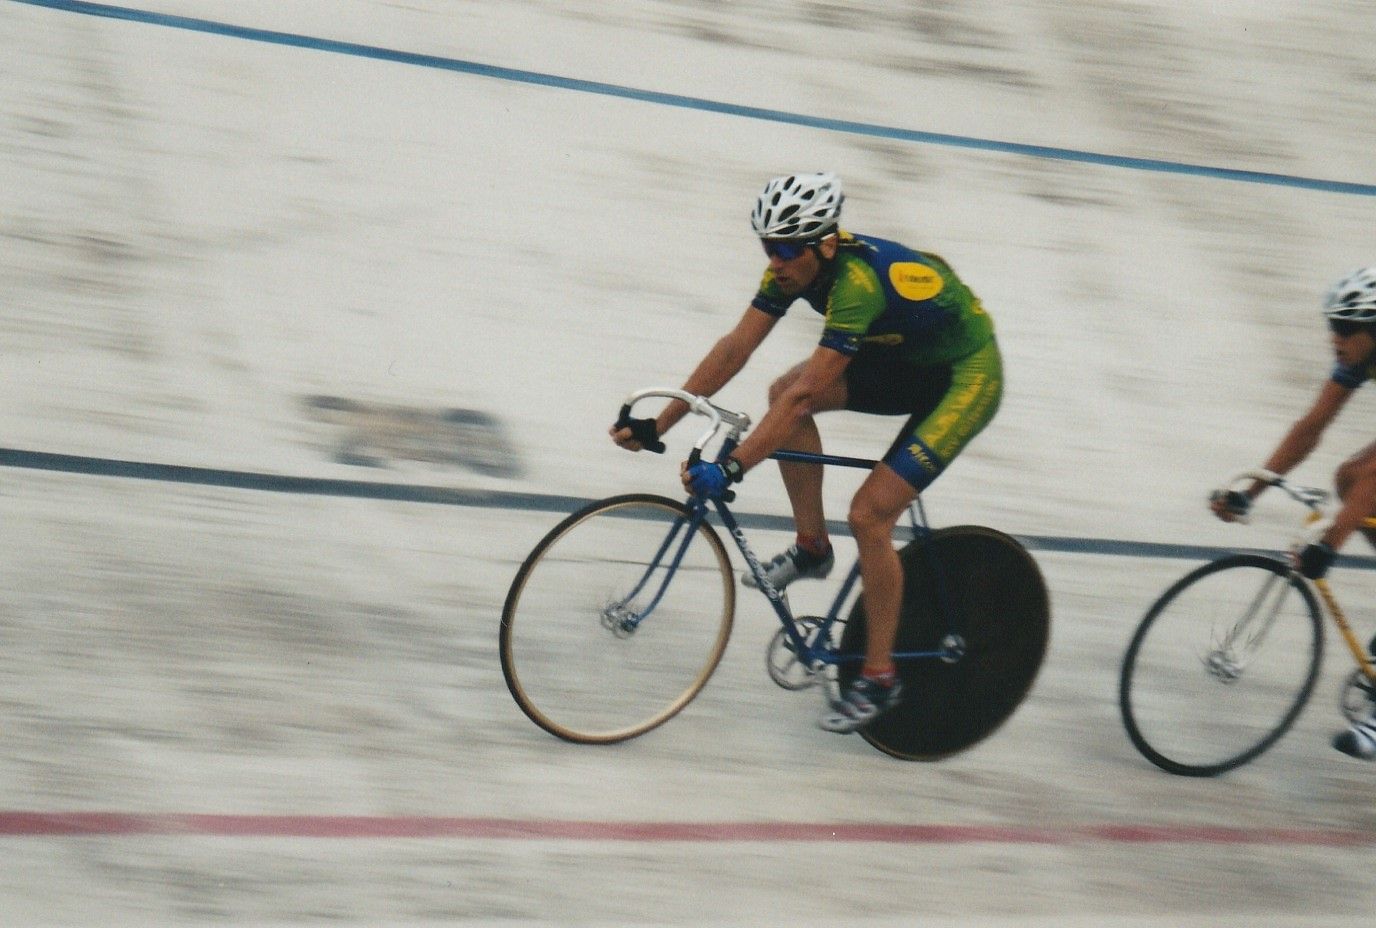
(1358, 467)
(783, 382)
(869, 522)
(777, 388)
(1345, 476)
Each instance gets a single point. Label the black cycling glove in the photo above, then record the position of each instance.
(1314, 560)
(1235, 502)
(643, 431)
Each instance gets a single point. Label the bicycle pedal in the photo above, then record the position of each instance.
(785, 667)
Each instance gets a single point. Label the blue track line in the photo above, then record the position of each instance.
(527, 502)
(563, 504)
(704, 105)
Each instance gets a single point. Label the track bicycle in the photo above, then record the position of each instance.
(618, 617)
(1222, 664)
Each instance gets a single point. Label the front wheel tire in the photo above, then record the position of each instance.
(1221, 665)
(600, 640)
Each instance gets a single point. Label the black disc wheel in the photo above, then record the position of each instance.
(978, 595)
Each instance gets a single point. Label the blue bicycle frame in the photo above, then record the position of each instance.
(819, 650)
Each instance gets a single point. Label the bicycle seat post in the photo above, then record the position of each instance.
(917, 519)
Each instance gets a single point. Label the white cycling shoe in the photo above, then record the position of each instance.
(794, 564)
(862, 703)
(1359, 741)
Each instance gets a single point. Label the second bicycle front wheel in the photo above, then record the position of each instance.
(617, 619)
(1221, 665)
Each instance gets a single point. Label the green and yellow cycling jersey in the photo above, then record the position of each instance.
(877, 292)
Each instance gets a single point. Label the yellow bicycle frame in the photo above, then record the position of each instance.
(1340, 618)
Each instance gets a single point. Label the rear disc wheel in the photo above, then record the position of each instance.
(977, 595)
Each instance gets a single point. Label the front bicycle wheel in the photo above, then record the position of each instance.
(597, 644)
(1221, 665)
(976, 594)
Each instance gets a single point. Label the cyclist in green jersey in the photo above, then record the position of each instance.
(1351, 310)
(902, 335)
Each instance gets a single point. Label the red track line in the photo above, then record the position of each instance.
(121, 824)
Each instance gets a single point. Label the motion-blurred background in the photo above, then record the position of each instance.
(232, 237)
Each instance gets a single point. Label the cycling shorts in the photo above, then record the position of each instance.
(947, 405)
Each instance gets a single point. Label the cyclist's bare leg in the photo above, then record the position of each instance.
(804, 481)
(1356, 482)
(875, 510)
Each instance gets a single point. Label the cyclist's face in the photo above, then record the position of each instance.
(1354, 347)
(796, 274)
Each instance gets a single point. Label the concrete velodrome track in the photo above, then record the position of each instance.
(314, 316)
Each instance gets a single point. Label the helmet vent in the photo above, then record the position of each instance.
(798, 206)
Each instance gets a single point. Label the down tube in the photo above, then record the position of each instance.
(776, 599)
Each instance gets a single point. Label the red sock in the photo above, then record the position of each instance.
(814, 544)
(883, 677)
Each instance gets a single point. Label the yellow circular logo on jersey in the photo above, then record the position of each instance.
(915, 281)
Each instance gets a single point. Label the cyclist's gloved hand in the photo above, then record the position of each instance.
(1313, 560)
(643, 431)
(709, 479)
(1230, 504)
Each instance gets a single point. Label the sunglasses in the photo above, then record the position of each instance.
(785, 251)
(1347, 327)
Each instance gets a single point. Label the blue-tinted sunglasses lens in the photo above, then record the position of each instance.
(784, 251)
(1345, 327)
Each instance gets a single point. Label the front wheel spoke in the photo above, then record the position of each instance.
(616, 619)
(1266, 654)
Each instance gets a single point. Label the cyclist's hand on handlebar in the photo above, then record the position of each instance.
(709, 479)
(1230, 505)
(637, 434)
(1313, 560)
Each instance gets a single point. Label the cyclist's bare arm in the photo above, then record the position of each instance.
(1304, 435)
(723, 361)
(1297, 444)
(813, 390)
(1355, 510)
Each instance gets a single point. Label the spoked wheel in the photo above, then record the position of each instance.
(597, 645)
(1221, 665)
(983, 587)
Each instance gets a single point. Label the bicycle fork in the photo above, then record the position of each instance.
(1229, 656)
(620, 617)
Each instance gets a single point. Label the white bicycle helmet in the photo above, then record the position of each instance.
(798, 206)
(1353, 298)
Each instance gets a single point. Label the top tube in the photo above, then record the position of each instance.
(809, 457)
